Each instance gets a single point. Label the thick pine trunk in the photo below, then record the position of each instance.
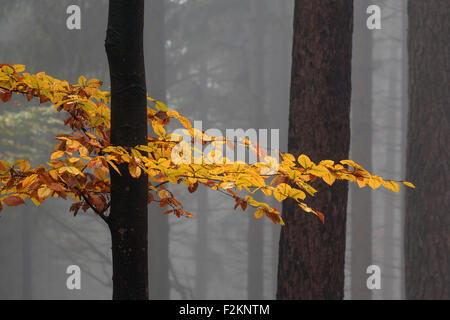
(312, 254)
(158, 222)
(128, 216)
(427, 218)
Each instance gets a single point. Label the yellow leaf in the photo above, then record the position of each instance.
(319, 171)
(45, 192)
(36, 201)
(73, 170)
(282, 191)
(135, 171)
(361, 182)
(113, 165)
(28, 181)
(409, 184)
(53, 174)
(259, 213)
(19, 68)
(22, 164)
(56, 155)
(375, 182)
(297, 194)
(82, 81)
(158, 129)
(304, 161)
(160, 106)
(391, 185)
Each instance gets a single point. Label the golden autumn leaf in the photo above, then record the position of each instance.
(409, 184)
(259, 213)
(391, 185)
(28, 181)
(45, 192)
(282, 191)
(304, 161)
(158, 129)
(19, 67)
(56, 155)
(135, 170)
(163, 194)
(23, 165)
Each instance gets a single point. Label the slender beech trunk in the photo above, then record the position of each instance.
(427, 219)
(312, 254)
(128, 216)
(361, 152)
(158, 222)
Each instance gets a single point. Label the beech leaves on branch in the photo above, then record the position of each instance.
(79, 166)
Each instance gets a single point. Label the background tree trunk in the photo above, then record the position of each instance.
(312, 254)
(159, 223)
(361, 152)
(128, 217)
(202, 247)
(427, 219)
(255, 234)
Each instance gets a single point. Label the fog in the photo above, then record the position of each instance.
(226, 63)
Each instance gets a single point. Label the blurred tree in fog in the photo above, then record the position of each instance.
(361, 151)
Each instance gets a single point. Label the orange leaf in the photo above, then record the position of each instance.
(320, 215)
(13, 201)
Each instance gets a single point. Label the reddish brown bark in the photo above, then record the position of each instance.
(311, 258)
(427, 219)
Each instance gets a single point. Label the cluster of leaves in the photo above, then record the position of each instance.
(79, 166)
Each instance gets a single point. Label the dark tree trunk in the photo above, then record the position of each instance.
(312, 254)
(128, 217)
(158, 222)
(427, 219)
(361, 152)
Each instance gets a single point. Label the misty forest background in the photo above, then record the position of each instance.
(227, 63)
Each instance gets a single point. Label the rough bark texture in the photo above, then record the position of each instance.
(158, 222)
(311, 258)
(128, 216)
(361, 152)
(427, 240)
